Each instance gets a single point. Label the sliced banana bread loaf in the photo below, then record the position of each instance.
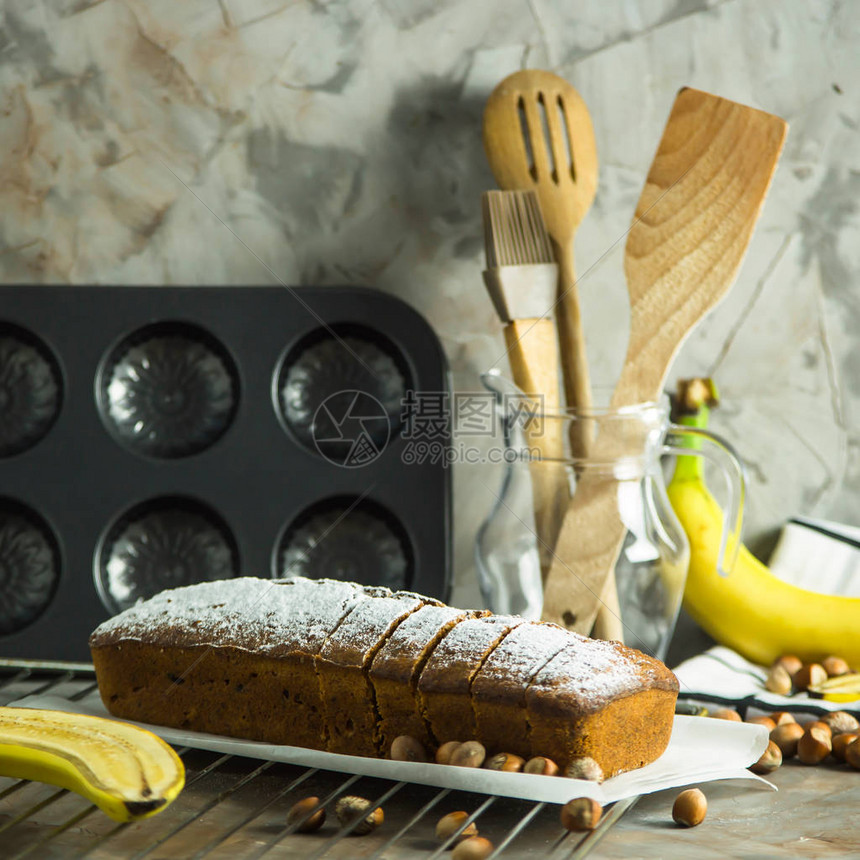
(337, 666)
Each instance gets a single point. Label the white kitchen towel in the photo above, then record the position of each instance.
(818, 555)
(722, 676)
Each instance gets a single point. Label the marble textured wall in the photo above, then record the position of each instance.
(329, 142)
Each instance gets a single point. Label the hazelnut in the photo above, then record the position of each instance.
(350, 807)
(810, 675)
(841, 743)
(778, 680)
(468, 754)
(475, 848)
(782, 717)
(852, 754)
(790, 663)
(443, 754)
(727, 714)
(786, 737)
(767, 722)
(299, 814)
(840, 722)
(407, 748)
(835, 666)
(690, 807)
(449, 824)
(584, 768)
(814, 746)
(506, 762)
(818, 724)
(541, 765)
(770, 759)
(581, 813)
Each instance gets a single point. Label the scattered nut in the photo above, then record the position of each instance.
(727, 714)
(407, 748)
(449, 824)
(584, 768)
(476, 848)
(814, 746)
(778, 680)
(541, 765)
(581, 813)
(786, 737)
(818, 724)
(852, 754)
(469, 754)
(767, 722)
(835, 666)
(443, 754)
(841, 722)
(350, 807)
(790, 663)
(770, 759)
(506, 762)
(810, 675)
(690, 807)
(299, 810)
(782, 717)
(841, 743)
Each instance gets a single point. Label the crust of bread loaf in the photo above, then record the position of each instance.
(623, 735)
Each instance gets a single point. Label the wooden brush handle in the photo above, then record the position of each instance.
(577, 388)
(533, 353)
(574, 358)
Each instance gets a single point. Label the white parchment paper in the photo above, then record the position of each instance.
(700, 750)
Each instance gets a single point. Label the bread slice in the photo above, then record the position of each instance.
(445, 681)
(499, 688)
(343, 665)
(395, 670)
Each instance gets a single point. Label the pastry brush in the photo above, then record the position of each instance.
(521, 278)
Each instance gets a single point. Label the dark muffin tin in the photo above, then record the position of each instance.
(152, 437)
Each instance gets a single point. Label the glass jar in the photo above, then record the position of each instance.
(651, 568)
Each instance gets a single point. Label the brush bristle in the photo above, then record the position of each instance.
(514, 230)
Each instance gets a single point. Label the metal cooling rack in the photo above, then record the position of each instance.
(234, 807)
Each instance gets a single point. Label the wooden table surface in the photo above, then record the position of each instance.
(814, 814)
(236, 808)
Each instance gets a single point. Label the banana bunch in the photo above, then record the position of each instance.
(127, 772)
(751, 611)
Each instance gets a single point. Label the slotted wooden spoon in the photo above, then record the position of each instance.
(692, 226)
(538, 134)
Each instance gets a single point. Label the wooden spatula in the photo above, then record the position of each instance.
(538, 135)
(695, 217)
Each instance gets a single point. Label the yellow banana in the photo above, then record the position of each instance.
(751, 610)
(127, 772)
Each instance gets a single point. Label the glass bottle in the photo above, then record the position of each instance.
(651, 568)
